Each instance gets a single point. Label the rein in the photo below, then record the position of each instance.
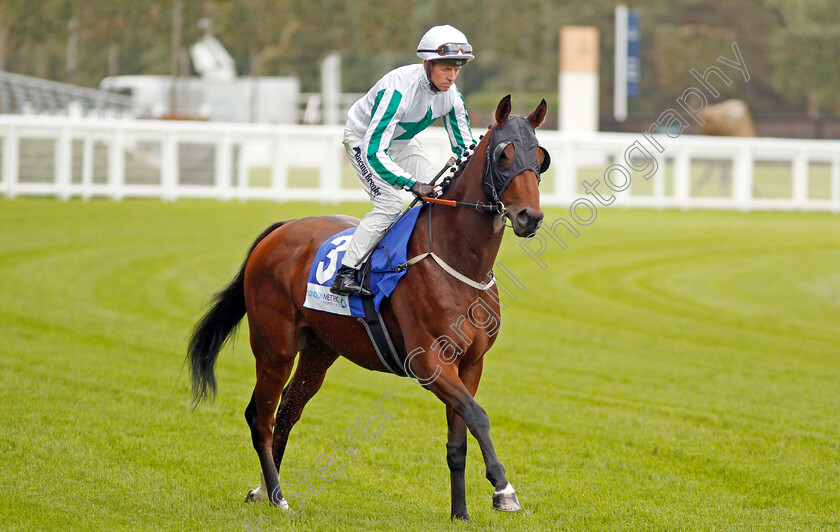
(480, 207)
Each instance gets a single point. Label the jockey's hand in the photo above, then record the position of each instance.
(422, 190)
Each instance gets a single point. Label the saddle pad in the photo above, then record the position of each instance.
(391, 252)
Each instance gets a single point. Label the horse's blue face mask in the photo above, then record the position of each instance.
(516, 131)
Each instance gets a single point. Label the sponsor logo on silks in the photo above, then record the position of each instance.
(320, 298)
(366, 174)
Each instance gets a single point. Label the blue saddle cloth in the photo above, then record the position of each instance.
(391, 252)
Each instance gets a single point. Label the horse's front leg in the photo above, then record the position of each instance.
(456, 459)
(456, 444)
(449, 388)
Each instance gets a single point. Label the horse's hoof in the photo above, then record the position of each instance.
(505, 500)
(460, 517)
(258, 494)
(282, 504)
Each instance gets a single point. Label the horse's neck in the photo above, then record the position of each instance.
(466, 239)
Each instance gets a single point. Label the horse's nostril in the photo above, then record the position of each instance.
(524, 217)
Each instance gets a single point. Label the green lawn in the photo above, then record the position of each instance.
(668, 371)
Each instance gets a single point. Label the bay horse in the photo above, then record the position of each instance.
(271, 287)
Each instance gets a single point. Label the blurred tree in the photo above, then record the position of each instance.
(683, 47)
(806, 51)
(257, 32)
(37, 32)
(110, 30)
(791, 46)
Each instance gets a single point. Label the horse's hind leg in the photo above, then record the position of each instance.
(315, 358)
(314, 361)
(275, 357)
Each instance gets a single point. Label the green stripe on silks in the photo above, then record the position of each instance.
(378, 99)
(466, 114)
(456, 131)
(413, 128)
(376, 138)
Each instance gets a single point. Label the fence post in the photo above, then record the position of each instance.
(329, 181)
(800, 179)
(835, 181)
(280, 167)
(682, 178)
(743, 167)
(224, 166)
(11, 161)
(87, 166)
(63, 163)
(627, 192)
(659, 180)
(169, 167)
(5, 153)
(242, 178)
(116, 164)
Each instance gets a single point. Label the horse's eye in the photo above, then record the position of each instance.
(546, 160)
(499, 152)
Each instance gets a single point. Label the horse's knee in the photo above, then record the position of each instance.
(287, 417)
(456, 455)
(261, 431)
(251, 412)
(476, 418)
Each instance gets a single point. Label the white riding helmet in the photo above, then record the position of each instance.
(447, 44)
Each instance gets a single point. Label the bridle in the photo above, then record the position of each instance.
(456, 168)
(496, 208)
(494, 181)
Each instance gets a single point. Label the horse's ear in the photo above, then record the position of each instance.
(536, 118)
(503, 111)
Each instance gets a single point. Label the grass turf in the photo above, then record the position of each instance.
(668, 370)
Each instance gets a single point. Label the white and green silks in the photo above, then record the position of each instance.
(401, 105)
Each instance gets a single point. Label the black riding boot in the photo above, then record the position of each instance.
(345, 283)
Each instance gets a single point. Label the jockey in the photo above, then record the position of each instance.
(380, 139)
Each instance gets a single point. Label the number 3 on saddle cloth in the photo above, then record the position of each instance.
(391, 252)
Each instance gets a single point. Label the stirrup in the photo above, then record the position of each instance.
(345, 283)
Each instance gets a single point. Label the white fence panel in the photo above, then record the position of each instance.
(119, 158)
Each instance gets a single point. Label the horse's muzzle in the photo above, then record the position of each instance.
(527, 221)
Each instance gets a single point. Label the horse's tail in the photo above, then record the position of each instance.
(212, 332)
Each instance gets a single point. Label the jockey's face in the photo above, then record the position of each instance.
(443, 76)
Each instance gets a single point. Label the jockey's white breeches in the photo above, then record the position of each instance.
(387, 199)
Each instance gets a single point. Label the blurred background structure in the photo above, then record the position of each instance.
(792, 47)
(285, 63)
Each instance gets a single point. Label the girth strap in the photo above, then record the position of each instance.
(378, 332)
(448, 269)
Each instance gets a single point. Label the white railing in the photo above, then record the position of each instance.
(67, 157)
